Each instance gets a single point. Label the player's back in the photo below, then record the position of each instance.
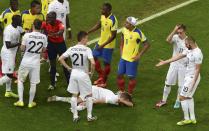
(80, 55)
(34, 43)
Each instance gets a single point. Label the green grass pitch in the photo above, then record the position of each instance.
(143, 117)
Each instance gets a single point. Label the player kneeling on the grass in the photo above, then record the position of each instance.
(11, 41)
(33, 44)
(100, 96)
(130, 53)
(177, 69)
(192, 78)
(80, 82)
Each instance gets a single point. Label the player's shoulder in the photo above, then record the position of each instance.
(6, 11)
(138, 31)
(113, 18)
(25, 12)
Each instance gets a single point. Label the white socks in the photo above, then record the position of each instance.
(20, 90)
(4, 79)
(191, 108)
(166, 92)
(185, 108)
(9, 85)
(32, 92)
(89, 106)
(63, 99)
(178, 93)
(74, 107)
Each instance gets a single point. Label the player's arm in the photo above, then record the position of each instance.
(127, 103)
(100, 101)
(92, 66)
(170, 36)
(197, 72)
(11, 45)
(94, 28)
(113, 36)
(146, 46)
(62, 61)
(175, 58)
(22, 47)
(68, 27)
(121, 44)
(1, 24)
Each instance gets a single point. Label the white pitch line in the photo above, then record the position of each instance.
(153, 16)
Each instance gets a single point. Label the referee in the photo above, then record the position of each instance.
(56, 44)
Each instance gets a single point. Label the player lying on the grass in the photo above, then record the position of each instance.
(80, 82)
(192, 78)
(11, 42)
(100, 96)
(177, 69)
(33, 44)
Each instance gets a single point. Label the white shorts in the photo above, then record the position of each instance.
(80, 83)
(174, 74)
(186, 90)
(8, 63)
(33, 72)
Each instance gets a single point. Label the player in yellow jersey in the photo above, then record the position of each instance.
(45, 5)
(6, 16)
(106, 44)
(131, 40)
(28, 16)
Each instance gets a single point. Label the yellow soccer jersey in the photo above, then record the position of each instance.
(28, 19)
(45, 5)
(108, 25)
(6, 16)
(132, 41)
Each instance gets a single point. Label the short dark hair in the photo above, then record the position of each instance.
(52, 14)
(34, 3)
(191, 39)
(126, 96)
(15, 18)
(108, 5)
(81, 35)
(11, 1)
(182, 26)
(37, 24)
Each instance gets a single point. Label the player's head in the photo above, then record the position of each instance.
(125, 99)
(130, 23)
(35, 7)
(181, 31)
(37, 24)
(16, 20)
(51, 17)
(82, 37)
(14, 4)
(190, 42)
(106, 9)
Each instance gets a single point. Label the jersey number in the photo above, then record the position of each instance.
(37, 51)
(76, 56)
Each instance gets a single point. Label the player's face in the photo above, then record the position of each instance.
(19, 21)
(187, 43)
(50, 19)
(14, 5)
(181, 33)
(104, 10)
(36, 9)
(128, 25)
(85, 40)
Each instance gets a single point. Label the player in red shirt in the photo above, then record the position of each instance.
(54, 29)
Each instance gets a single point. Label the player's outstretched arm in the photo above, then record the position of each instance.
(68, 27)
(95, 28)
(62, 61)
(121, 44)
(170, 36)
(127, 103)
(11, 45)
(175, 58)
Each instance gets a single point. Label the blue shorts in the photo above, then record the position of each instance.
(104, 53)
(55, 49)
(128, 68)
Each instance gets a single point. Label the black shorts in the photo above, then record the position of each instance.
(55, 49)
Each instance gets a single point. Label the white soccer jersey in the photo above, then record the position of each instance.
(62, 10)
(79, 55)
(12, 35)
(99, 93)
(34, 42)
(194, 57)
(178, 47)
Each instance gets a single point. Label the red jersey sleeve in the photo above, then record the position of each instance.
(61, 26)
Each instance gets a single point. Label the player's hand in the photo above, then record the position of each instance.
(176, 28)
(100, 47)
(69, 69)
(162, 62)
(136, 58)
(90, 74)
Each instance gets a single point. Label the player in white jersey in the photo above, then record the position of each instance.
(80, 82)
(33, 44)
(62, 9)
(11, 40)
(177, 69)
(192, 78)
(100, 96)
